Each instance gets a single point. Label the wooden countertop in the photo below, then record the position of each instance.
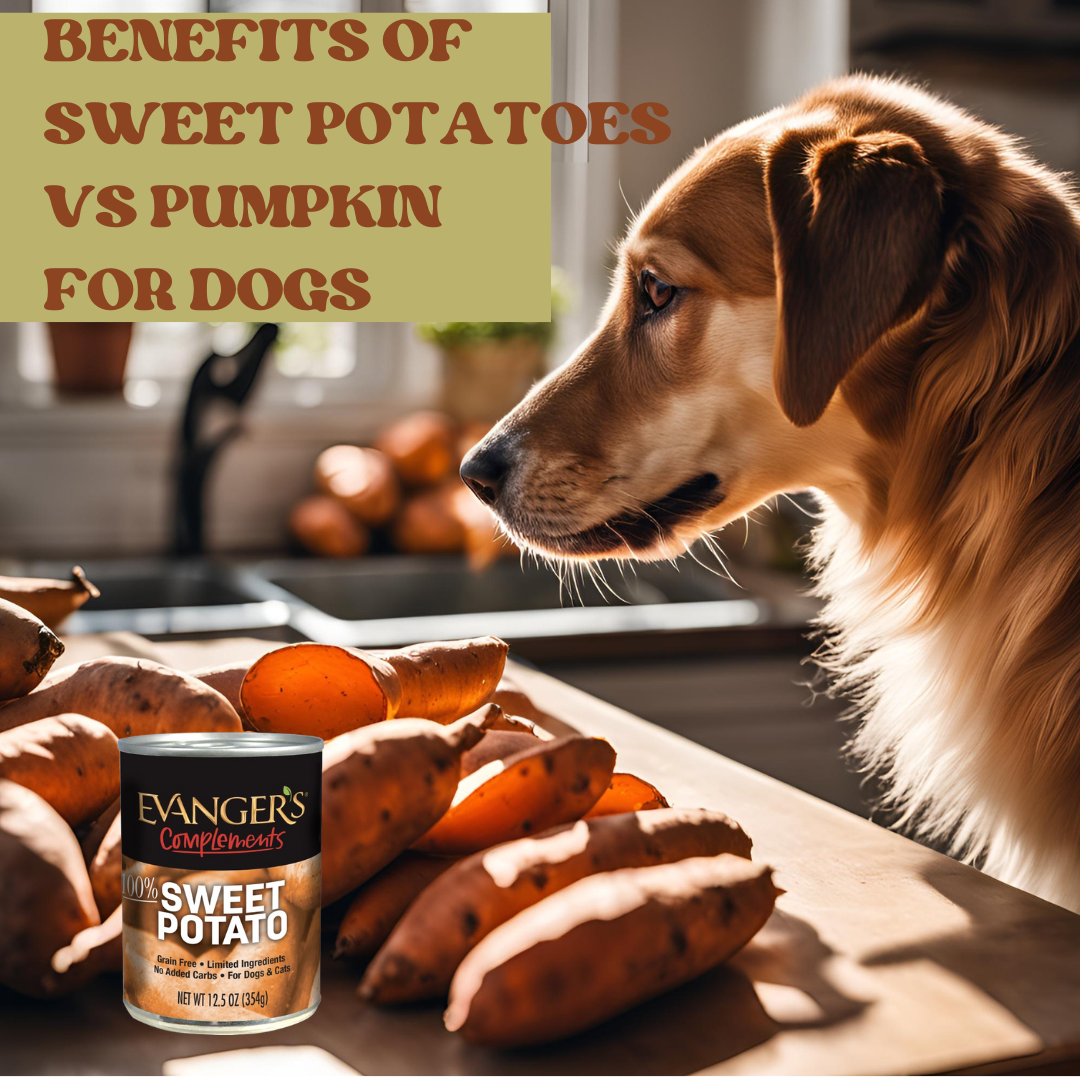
(882, 957)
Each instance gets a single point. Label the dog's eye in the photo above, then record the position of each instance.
(658, 294)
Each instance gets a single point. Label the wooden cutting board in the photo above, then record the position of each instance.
(882, 957)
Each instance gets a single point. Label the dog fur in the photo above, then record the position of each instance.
(877, 297)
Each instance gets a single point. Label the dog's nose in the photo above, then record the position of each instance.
(485, 469)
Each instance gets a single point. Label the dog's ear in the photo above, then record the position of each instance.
(857, 240)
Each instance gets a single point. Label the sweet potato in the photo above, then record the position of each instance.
(443, 680)
(45, 899)
(129, 696)
(383, 787)
(93, 836)
(28, 649)
(548, 785)
(496, 745)
(484, 890)
(49, 599)
(429, 524)
(605, 944)
(362, 480)
(95, 949)
(381, 902)
(326, 528)
(71, 761)
(421, 447)
(105, 869)
(226, 679)
(627, 793)
(515, 702)
(322, 690)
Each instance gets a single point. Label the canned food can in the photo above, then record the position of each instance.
(221, 879)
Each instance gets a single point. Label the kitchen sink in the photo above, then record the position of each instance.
(385, 601)
(392, 600)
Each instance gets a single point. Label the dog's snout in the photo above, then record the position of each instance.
(485, 470)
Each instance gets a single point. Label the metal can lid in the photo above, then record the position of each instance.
(221, 744)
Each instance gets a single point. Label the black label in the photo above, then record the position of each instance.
(234, 813)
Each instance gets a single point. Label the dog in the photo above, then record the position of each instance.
(872, 295)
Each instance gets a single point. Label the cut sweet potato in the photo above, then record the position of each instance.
(444, 680)
(627, 793)
(72, 762)
(605, 944)
(548, 785)
(129, 696)
(496, 745)
(321, 690)
(485, 890)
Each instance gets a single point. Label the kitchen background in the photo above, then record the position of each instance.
(194, 501)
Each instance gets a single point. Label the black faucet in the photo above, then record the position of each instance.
(227, 379)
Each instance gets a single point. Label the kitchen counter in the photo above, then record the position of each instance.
(882, 957)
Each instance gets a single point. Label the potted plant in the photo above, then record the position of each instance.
(489, 367)
(90, 357)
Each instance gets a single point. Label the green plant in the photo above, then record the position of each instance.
(451, 335)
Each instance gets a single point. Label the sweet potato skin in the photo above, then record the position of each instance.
(93, 950)
(421, 447)
(130, 696)
(604, 944)
(627, 793)
(50, 599)
(381, 902)
(28, 649)
(496, 745)
(326, 528)
(105, 867)
(46, 897)
(321, 690)
(536, 789)
(362, 480)
(444, 680)
(485, 890)
(384, 786)
(72, 762)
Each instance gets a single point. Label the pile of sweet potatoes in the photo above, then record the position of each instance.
(402, 494)
(467, 854)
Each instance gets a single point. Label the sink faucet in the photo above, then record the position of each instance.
(218, 391)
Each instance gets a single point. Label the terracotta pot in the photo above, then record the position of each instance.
(90, 357)
(482, 382)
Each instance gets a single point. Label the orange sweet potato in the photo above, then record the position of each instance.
(627, 793)
(422, 447)
(548, 785)
(381, 902)
(46, 897)
(483, 891)
(429, 523)
(105, 868)
(383, 787)
(129, 696)
(326, 528)
(71, 761)
(496, 745)
(28, 649)
(95, 949)
(443, 680)
(322, 690)
(605, 944)
(362, 480)
(49, 599)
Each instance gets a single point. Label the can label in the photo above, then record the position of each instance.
(221, 885)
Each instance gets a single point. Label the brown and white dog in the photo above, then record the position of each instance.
(872, 294)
